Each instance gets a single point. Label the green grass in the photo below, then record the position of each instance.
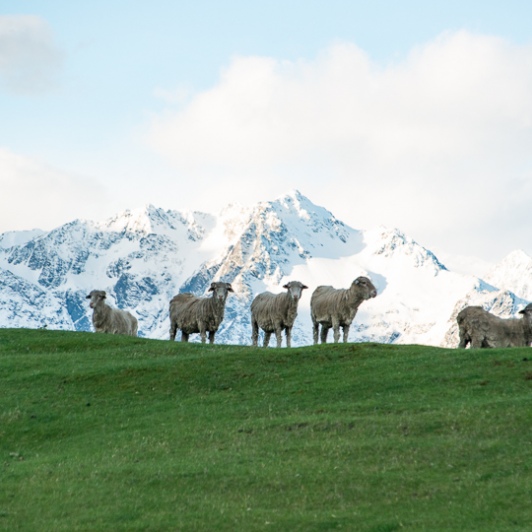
(115, 433)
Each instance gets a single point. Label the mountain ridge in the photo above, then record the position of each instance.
(143, 257)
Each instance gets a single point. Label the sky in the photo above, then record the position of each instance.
(411, 114)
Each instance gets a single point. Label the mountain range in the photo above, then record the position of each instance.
(143, 257)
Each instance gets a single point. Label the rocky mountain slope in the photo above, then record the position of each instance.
(143, 257)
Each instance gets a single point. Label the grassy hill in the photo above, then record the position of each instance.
(105, 432)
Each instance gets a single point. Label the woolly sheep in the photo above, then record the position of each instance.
(193, 314)
(479, 328)
(106, 319)
(330, 307)
(274, 313)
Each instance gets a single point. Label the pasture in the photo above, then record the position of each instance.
(101, 432)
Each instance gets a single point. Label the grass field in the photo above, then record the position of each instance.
(103, 432)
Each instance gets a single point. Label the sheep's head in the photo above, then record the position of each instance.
(365, 287)
(295, 289)
(220, 291)
(96, 296)
(527, 313)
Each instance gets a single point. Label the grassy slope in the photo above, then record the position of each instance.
(109, 433)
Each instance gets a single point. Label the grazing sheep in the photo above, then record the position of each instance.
(193, 314)
(337, 308)
(110, 320)
(275, 312)
(479, 328)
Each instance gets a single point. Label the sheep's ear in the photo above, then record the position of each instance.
(211, 289)
(229, 288)
(357, 281)
(304, 286)
(88, 297)
(286, 286)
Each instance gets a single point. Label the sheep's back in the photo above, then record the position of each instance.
(262, 302)
(268, 309)
(179, 305)
(133, 323)
(326, 301)
(190, 313)
(115, 321)
(126, 323)
(479, 319)
(472, 319)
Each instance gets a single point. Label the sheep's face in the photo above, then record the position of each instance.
(220, 291)
(365, 287)
(95, 297)
(295, 289)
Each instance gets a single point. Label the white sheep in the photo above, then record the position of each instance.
(106, 319)
(274, 313)
(193, 314)
(330, 307)
(479, 328)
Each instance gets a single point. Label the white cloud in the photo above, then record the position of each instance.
(437, 144)
(35, 195)
(29, 58)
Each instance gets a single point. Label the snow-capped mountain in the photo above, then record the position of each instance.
(143, 257)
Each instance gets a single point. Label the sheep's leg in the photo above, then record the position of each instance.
(288, 336)
(278, 336)
(477, 341)
(324, 333)
(173, 330)
(203, 334)
(464, 340)
(491, 342)
(336, 331)
(266, 338)
(211, 337)
(461, 341)
(315, 328)
(184, 336)
(255, 333)
(346, 333)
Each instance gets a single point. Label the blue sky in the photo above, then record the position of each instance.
(410, 114)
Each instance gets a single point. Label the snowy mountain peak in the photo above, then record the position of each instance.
(514, 273)
(141, 220)
(298, 226)
(297, 203)
(393, 243)
(516, 259)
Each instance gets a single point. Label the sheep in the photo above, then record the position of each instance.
(110, 320)
(193, 314)
(275, 312)
(337, 308)
(479, 328)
